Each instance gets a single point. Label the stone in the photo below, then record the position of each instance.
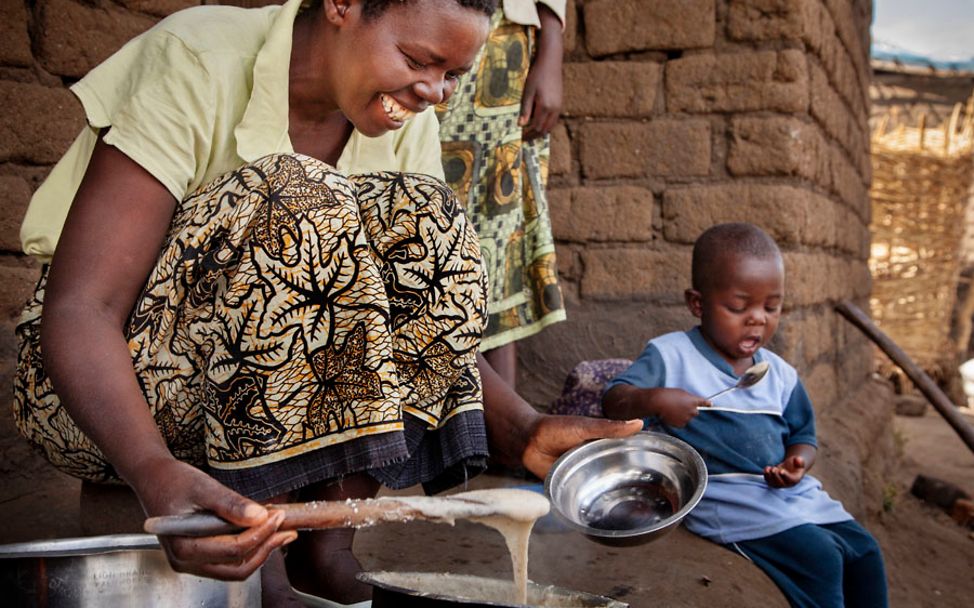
(38, 123)
(777, 146)
(18, 277)
(620, 26)
(611, 88)
(14, 40)
(73, 37)
(738, 82)
(14, 195)
(624, 273)
(911, 405)
(161, 8)
(560, 162)
(779, 209)
(755, 20)
(598, 214)
(660, 148)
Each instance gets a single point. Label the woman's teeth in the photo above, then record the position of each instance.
(394, 109)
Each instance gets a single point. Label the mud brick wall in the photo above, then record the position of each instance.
(684, 113)
(678, 114)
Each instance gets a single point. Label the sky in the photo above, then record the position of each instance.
(938, 29)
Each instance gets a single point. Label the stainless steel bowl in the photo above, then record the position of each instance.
(113, 570)
(627, 491)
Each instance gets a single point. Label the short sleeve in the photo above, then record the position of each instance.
(648, 371)
(800, 417)
(557, 7)
(157, 102)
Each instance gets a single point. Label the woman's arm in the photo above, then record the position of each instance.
(108, 246)
(520, 435)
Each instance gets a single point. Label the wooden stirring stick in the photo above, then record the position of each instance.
(520, 505)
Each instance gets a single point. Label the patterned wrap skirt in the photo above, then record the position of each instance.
(500, 180)
(299, 326)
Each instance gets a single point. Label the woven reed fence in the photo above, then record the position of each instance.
(921, 187)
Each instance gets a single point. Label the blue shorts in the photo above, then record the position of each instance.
(827, 566)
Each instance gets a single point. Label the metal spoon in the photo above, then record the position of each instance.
(750, 377)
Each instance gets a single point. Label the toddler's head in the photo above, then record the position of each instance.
(737, 289)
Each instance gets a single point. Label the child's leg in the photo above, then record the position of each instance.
(320, 562)
(804, 562)
(865, 575)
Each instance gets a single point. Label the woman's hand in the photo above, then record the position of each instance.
(520, 435)
(170, 487)
(552, 436)
(542, 97)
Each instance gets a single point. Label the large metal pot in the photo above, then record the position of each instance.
(114, 570)
(443, 590)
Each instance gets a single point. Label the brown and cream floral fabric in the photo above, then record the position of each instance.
(291, 309)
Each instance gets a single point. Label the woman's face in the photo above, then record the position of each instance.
(398, 64)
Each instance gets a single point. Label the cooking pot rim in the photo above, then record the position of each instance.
(76, 547)
(374, 578)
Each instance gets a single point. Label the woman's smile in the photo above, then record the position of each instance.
(396, 112)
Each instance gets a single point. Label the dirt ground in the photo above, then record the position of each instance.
(930, 559)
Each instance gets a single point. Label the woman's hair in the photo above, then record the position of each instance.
(373, 8)
(723, 241)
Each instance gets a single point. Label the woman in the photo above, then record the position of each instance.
(228, 317)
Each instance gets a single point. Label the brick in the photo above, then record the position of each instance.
(845, 180)
(37, 123)
(778, 209)
(611, 88)
(610, 213)
(161, 8)
(14, 41)
(804, 338)
(18, 280)
(619, 26)
(570, 35)
(807, 278)
(828, 108)
(14, 195)
(664, 148)
(560, 162)
(822, 385)
(777, 146)
(738, 82)
(73, 38)
(635, 273)
(754, 20)
(568, 269)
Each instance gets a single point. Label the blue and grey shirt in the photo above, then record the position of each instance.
(744, 431)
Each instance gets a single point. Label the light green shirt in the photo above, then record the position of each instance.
(525, 12)
(202, 93)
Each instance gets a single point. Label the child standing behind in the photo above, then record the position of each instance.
(758, 443)
(494, 136)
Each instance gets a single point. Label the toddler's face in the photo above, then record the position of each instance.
(740, 313)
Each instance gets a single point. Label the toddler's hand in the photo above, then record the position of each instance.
(786, 474)
(676, 407)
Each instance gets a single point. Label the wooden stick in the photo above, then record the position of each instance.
(923, 382)
(297, 516)
(520, 505)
